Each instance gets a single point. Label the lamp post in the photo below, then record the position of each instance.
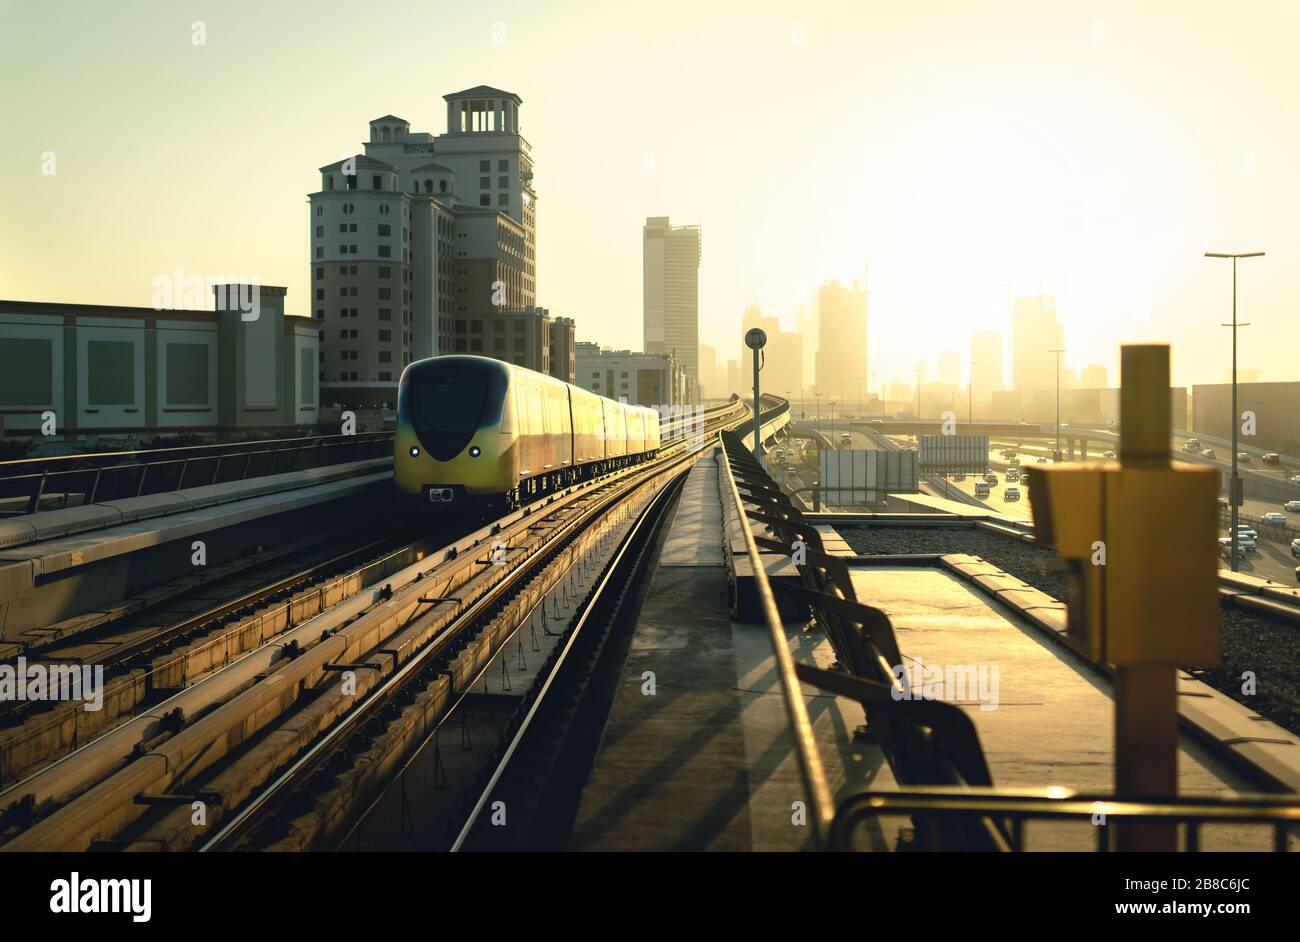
(1234, 484)
(918, 394)
(1056, 455)
(970, 394)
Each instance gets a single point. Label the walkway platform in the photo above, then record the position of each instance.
(696, 754)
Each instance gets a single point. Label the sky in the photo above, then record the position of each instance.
(953, 153)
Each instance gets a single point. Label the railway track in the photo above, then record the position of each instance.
(216, 757)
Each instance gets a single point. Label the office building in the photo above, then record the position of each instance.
(644, 379)
(841, 315)
(133, 372)
(1035, 332)
(671, 293)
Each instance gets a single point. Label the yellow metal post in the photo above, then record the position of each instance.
(1139, 540)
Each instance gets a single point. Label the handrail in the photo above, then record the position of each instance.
(810, 763)
(1280, 811)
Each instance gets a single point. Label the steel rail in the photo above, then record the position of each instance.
(655, 507)
(305, 765)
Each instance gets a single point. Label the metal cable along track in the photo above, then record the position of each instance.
(932, 747)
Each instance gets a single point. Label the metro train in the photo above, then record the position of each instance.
(477, 430)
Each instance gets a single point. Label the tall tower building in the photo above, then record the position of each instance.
(418, 239)
(1035, 332)
(986, 359)
(841, 314)
(671, 294)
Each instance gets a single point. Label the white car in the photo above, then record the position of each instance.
(1011, 493)
(1274, 517)
(1295, 547)
(1295, 479)
(1247, 532)
(1108, 455)
(1293, 506)
(1243, 546)
(846, 438)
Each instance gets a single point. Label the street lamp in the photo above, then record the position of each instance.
(819, 410)
(1234, 485)
(918, 394)
(970, 393)
(1056, 455)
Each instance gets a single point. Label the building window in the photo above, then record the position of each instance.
(377, 183)
(386, 336)
(485, 199)
(385, 356)
(484, 183)
(383, 210)
(320, 272)
(385, 294)
(320, 231)
(385, 313)
(320, 294)
(351, 182)
(385, 376)
(385, 229)
(320, 251)
(385, 251)
(319, 210)
(347, 208)
(385, 271)
(503, 165)
(484, 166)
(343, 227)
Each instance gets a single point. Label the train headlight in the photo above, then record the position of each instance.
(415, 451)
(475, 451)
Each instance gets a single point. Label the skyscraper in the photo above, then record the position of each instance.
(986, 357)
(671, 293)
(841, 314)
(949, 372)
(1035, 332)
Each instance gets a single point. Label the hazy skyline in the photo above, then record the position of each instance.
(967, 152)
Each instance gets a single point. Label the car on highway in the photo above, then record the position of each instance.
(1243, 457)
(846, 438)
(1247, 532)
(1274, 517)
(1193, 444)
(1110, 455)
(991, 479)
(1292, 506)
(877, 423)
(1272, 457)
(1008, 452)
(1011, 493)
(1209, 453)
(1295, 547)
(1192, 449)
(1042, 461)
(1223, 505)
(981, 489)
(1013, 474)
(1295, 479)
(1244, 546)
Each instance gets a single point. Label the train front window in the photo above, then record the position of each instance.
(446, 409)
(447, 400)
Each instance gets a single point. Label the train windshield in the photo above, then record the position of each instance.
(447, 399)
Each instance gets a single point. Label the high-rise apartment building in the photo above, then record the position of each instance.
(420, 237)
(671, 293)
(841, 313)
(1035, 333)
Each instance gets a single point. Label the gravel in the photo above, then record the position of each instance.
(1267, 648)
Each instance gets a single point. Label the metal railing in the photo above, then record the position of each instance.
(1279, 813)
(78, 480)
(932, 747)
